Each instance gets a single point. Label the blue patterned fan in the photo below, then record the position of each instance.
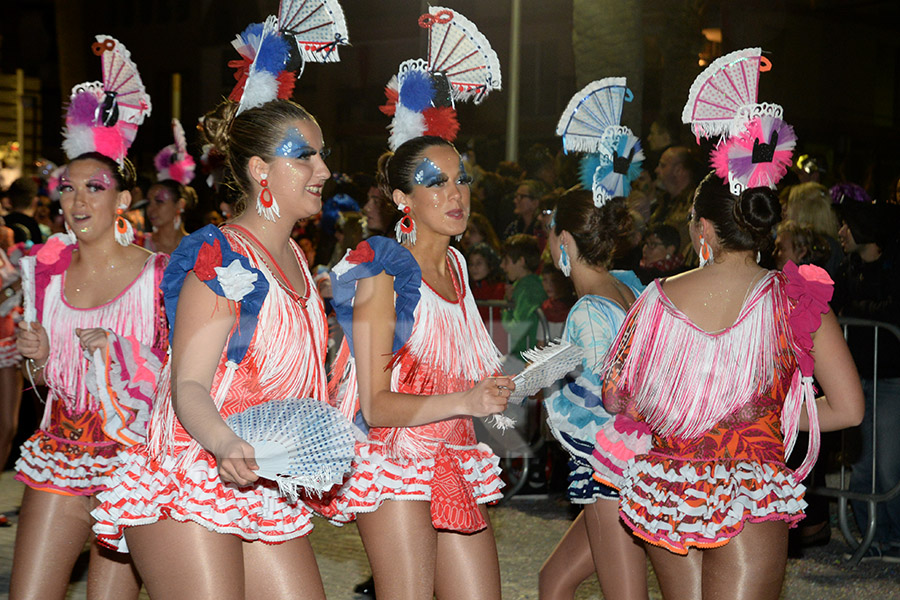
(298, 443)
(590, 112)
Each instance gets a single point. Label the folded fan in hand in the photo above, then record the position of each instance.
(299, 443)
(546, 365)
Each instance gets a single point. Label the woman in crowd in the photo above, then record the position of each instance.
(197, 519)
(93, 296)
(659, 254)
(479, 231)
(425, 366)
(167, 201)
(810, 205)
(582, 240)
(718, 361)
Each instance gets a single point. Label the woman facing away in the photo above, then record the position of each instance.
(582, 240)
(719, 363)
(97, 301)
(197, 519)
(425, 367)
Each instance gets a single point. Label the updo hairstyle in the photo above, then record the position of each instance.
(255, 132)
(124, 174)
(395, 169)
(597, 231)
(743, 223)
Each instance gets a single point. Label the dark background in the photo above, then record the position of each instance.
(835, 66)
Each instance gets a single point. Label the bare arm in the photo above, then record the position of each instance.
(202, 323)
(34, 345)
(842, 405)
(374, 319)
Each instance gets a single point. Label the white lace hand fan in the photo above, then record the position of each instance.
(546, 365)
(724, 95)
(591, 112)
(122, 81)
(299, 443)
(458, 50)
(318, 27)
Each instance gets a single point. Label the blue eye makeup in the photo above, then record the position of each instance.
(294, 145)
(464, 177)
(428, 174)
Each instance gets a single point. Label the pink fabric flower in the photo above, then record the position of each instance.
(810, 288)
(50, 252)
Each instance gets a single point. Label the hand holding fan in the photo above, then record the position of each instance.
(299, 443)
(546, 365)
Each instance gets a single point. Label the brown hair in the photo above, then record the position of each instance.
(254, 132)
(597, 231)
(741, 223)
(524, 246)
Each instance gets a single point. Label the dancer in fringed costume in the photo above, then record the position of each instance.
(584, 233)
(719, 362)
(94, 332)
(424, 363)
(171, 195)
(249, 330)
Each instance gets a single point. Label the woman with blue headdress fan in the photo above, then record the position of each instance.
(249, 334)
(416, 345)
(94, 332)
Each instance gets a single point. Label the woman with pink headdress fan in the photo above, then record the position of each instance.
(719, 362)
(171, 195)
(418, 363)
(94, 332)
(200, 506)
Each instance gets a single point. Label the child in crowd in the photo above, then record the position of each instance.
(521, 259)
(560, 298)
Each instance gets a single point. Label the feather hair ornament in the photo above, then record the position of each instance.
(545, 366)
(461, 66)
(104, 116)
(591, 124)
(261, 71)
(174, 161)
(759, 155)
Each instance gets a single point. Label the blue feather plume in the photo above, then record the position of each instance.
(273, 54)
(417, 90)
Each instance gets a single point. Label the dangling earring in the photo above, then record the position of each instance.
(758, 257)
(706, 253)
(405, 230)
(177, 222)
(70, 235)
(124, 231)
(565, 265)
(266, 205)
(457, 237)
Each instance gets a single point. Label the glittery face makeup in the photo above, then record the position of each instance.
(428, 174)
(88, 197)
(294, 145)
(463, 175)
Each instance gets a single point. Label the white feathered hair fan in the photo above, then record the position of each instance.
(591, 124)
(298, 443)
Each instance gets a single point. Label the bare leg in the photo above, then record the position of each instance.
(680, 577)
(187, 561)
(286, 570)
(402, 545)
(618, 555)
(51, 533)
(111, 574)
(569, 565)
(10, 401)
(468, 567)
(750, 566)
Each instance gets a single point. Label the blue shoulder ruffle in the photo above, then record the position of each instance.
(202, 252)
(629, 279)
(370, 258)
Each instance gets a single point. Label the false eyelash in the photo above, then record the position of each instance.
(325, 153)
(466, 180)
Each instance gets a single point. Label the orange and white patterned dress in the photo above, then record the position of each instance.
(77, 447)
(447, 350)
(172, 477)
(723, 408)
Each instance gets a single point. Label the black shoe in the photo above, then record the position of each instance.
(366, 588)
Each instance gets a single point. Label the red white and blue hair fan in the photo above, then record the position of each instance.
(104, 116)
(756, 145)
(318, 27)
(461, 65)
(174, 161)
(591, 124)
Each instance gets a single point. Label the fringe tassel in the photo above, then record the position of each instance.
(687, 380)
(802, 393)
(189, 457)
(162, 419)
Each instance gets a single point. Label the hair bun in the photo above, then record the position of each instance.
(757, 211)
(217, 124)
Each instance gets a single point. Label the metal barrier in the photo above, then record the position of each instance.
(515, 451)
(843, 493)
